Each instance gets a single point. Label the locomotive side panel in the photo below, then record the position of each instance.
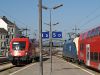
(69, 51)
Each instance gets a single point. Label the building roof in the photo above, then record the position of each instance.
(7, 21)
(2, 30)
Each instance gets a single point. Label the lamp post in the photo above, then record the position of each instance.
(50, 9)
(40, 36)
(52, 24)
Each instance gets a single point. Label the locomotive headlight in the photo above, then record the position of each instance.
(10, 53)
(99, 67)
(16, 53)
(26, 53)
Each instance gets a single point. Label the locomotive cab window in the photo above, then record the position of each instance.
(18, 45)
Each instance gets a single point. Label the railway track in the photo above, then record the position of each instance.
(4, 67)
(10, 69)
(3, 63)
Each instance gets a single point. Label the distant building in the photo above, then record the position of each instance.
(3, 34)
(10, 27)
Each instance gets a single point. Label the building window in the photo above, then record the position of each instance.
(8, 29)
(4, 44)
(12, 29)
(12, 36)
(1, 44)
(1, 36)
(4, 36)
(6, 41)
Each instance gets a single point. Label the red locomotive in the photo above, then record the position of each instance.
(22, 50)
(89, 48)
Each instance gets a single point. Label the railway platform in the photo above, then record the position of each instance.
(59, 67)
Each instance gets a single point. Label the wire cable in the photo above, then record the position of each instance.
(12, 17)
(90, 14)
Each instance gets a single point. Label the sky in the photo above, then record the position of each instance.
(84, 14)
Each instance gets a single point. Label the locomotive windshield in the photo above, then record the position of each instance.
(18, 45)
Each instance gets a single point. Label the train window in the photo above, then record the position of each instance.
(97, 31)
(99, 57)
(18, 45)
(91, 56)
(83, 36)
(70, 48)
(95, 56)
(89, 34)
(93, 32)
(81, 46)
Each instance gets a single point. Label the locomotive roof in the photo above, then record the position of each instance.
(20, 39)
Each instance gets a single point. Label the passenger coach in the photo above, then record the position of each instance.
(89, 48)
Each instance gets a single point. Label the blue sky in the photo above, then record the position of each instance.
(85, 14)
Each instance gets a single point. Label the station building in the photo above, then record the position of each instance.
(8, 30)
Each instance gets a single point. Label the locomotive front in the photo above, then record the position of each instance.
(19, 50)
